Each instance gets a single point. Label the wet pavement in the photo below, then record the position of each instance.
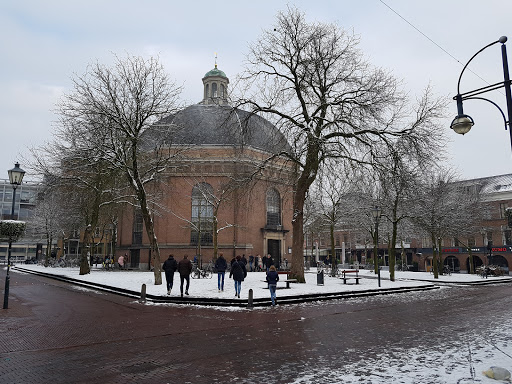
(54, 332)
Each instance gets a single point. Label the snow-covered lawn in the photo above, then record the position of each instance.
(133, 280)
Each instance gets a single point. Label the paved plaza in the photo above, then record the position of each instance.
(56, 332)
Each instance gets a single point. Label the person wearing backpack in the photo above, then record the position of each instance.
(239, 273)
(272, 279)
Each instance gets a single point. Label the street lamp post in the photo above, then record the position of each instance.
(376, 212)
(462, 122)
(15, 177)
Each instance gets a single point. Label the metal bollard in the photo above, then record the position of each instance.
(143, 294)
(378, 274)
(250, 301)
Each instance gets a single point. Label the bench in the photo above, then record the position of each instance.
(287, 281)
(345, 277)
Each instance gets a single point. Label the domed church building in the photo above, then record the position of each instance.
(226, 189)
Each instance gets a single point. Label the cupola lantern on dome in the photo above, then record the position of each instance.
(215, 83)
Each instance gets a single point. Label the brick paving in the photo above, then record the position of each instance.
(56, 333)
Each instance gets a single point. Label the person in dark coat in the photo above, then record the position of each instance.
(268, 262)
(264, 263)
(185, 268)
(251, 263)
(239, 273)
(170, 266)
(272, 279)
(221, 265)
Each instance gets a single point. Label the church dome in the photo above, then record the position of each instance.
(213, 122)
(215, 72)
(221, 125)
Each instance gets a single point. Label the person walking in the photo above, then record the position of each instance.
(239, 273)
(221, 265)
(120, 262)
(272, 279)
(170, 266)
(268, 262)
(251, 263)
(260, 263)
(184, 268)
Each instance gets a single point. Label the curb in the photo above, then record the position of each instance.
(204, 301)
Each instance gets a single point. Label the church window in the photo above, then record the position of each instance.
(138, 226)
(222, 91)
(202, 214)
(214, 90)
(273, 208)
(207, 91)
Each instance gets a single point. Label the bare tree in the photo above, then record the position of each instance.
(48, 221)
(312, 82)
(445, 209)
(330, 192)
(113, 108)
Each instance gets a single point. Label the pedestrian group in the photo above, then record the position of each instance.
(238, 272)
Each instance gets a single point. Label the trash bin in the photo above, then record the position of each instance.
(320, 278)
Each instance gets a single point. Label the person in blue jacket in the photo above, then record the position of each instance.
(272, 279)
(221, 265)
(239, 273)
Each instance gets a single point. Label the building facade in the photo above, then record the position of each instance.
(216, 194)
(491, 244)
(30, 246)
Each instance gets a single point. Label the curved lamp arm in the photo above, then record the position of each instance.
(493, 103)
(463, 69)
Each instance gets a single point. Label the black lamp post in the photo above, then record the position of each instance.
(376, 212)
(463, 123)
(15, 177)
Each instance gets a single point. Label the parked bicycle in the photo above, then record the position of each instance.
(402, 267)
(198, 273)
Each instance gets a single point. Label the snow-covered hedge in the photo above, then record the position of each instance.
(11, 230)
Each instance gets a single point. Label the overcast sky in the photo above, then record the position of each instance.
(45, 43)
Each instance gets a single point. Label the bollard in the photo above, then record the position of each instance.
(143, 294)
(378, 274)
(250, 304)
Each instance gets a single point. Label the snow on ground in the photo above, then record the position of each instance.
(133, 280)
(458, 359)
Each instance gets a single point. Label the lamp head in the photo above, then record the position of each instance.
(16, 175)
(462, 124)
(376, 212)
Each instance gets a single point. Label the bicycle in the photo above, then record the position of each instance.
(402, 267)
(201, 273)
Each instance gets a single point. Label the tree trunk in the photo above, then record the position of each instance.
(297, 268)
(155, 250)
(392, 252)
(333, 252)
(471, 267)
(434, 257)
(86, 251)
(215, 237)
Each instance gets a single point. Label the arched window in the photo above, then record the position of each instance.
(222, 91)
(206, 91)
(202, 214)
(273, 208)
(214, 90)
